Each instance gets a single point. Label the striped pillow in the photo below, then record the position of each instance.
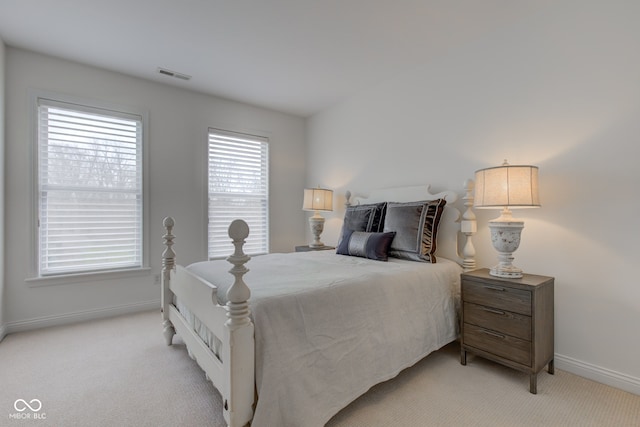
(366, 245)
(416, 227)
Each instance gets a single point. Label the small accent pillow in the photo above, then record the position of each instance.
(416, 227)
(366, 245)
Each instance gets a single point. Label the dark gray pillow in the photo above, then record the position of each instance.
(368, 217)
(366, 245)
(416, 227)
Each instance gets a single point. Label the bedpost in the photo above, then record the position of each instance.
(239, 354)
(238, 293)
(168, 264)
(468, 227)
(347, 196)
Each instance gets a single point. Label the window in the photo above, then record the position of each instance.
(238, 188)
(89, 189)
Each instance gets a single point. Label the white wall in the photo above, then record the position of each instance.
(560, 90)
(178, 122)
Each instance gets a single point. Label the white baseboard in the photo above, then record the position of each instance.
(78, 316)
(598, 374)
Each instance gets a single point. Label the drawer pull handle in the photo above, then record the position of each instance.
(493, 334)
(494, 311)
(495, 288)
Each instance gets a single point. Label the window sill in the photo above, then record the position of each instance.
(65, 279)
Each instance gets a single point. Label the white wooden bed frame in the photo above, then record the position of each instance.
(233, 373)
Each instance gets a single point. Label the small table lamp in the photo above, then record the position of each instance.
(505, 187)
(317, 199)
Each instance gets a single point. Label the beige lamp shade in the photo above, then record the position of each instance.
(507, 186)
(317, 199)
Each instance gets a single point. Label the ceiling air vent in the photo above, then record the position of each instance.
(173, 74)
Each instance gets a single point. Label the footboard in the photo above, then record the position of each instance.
(231, 370)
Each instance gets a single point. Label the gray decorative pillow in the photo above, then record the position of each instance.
(368, 217)
(366, 245)
(416, 227)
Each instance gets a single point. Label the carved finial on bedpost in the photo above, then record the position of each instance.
(468, 227)
(168, 256)
(347, 196)
(168, 264)
(238, 294)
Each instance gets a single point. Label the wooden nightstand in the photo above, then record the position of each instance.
(309, 249)
(509, 321)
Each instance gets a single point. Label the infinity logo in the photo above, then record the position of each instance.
(37, 405)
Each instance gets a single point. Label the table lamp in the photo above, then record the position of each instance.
(504, 187)
(317, 199)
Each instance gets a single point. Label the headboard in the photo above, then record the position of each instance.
(453, 223)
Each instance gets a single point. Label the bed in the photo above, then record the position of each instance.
(315, 330)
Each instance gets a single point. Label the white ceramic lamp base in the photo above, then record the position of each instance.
(505, 237)
(316, 223)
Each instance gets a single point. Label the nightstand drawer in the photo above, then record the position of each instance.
(308, 248)
(502, 321)
(500, 297)
(502, 345)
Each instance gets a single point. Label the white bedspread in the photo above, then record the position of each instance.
(328, 327)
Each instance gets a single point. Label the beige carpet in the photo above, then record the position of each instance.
(118, 372)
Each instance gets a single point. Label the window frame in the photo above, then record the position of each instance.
(34, 276)
(258, 135)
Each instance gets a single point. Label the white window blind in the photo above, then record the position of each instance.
(238, 188)
(90, 189)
